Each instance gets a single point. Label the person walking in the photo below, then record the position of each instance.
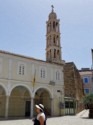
(41, 118)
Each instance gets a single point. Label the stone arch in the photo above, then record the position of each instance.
(47, 89)
(2, 100)
(19, 101)
(16, 85)
(43, 95)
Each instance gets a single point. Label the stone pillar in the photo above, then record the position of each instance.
(7, 106)
(32, 107)
(52, 107)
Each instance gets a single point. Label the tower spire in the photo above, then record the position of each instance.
(53, 47)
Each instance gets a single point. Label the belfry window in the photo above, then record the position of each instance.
(54, 25)
(50, 53)
(54, 53)
(54, 40)
(57, 27)
(57, 52)
(50, 41)
(57, 41)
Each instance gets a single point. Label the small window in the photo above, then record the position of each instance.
(42, 73)
(86, 80)
(86, 91)
(21, 69)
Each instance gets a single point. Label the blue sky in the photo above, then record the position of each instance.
(23, 28)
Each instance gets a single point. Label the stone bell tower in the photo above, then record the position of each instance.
(53, 47)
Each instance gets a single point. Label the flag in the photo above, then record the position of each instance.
(33, 82)
(34, 79)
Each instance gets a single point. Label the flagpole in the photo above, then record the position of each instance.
(92, 58)
(92, 67)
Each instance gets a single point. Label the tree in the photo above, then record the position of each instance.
(88, 102)
(88, 99)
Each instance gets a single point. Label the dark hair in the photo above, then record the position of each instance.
(41, 110)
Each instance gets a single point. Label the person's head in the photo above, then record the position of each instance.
(42, 106)
(39, 108)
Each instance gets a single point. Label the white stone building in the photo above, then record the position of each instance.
(25, 81)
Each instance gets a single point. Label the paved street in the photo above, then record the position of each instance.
(80, 119)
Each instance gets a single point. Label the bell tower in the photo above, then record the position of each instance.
(53, 47)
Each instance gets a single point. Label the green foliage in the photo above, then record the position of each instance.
(88, 99)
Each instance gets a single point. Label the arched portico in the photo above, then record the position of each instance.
(23, 85)
(19, 102)
(43, 96)
(2, 101)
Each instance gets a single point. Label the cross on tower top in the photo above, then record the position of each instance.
(52, 8)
